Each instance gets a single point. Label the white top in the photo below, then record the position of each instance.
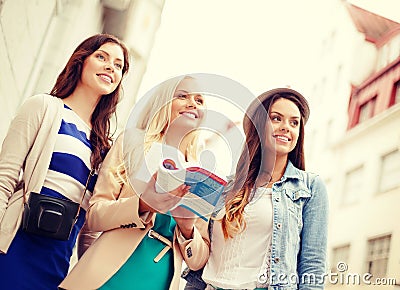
(239, 262)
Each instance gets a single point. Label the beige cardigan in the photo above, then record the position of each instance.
(114, 210)
(28, 146)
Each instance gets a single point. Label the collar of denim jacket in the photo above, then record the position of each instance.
(292, 172)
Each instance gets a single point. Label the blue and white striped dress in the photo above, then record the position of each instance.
(36, 262)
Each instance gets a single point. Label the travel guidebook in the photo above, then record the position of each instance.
(205, 186)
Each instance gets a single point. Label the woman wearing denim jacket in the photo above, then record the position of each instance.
(272, 231)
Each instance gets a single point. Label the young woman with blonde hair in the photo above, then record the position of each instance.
(145, 236)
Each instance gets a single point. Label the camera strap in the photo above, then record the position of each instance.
(91, 173)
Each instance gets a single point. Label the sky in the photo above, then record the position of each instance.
(259, 43)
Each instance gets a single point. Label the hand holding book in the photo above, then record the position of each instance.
(172, 172)
(205, 186)
(152, 201)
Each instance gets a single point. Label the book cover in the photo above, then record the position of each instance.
(205, 186)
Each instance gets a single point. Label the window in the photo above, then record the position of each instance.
(395, 94)
(390, 171)
(339, 254)
(367, 110)
(353, 185)
(377, 256)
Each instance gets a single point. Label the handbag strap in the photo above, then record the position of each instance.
(91, 173)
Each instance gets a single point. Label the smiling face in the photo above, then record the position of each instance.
(187, 105)
(284, 118)
(102, 70)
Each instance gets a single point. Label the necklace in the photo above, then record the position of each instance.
(268, 183)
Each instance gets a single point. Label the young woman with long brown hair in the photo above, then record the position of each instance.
(272, 231)
(53, 143)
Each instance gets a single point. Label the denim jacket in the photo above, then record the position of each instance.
(299, 232)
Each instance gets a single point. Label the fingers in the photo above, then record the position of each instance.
(170, 200)
(180, 191)
(153, 178)
(162, 202)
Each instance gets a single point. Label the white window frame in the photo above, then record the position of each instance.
(352, 192)
(389, 177)
(378, 251)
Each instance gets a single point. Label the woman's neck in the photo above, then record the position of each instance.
(178, 140)
(82, 104)
(279, 168)
(266, 178)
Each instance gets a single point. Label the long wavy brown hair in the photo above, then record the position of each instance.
(100, 136)
(249, 163)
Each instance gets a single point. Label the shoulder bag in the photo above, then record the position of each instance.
(51, 216)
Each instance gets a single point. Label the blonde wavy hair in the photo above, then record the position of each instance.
(152, 124)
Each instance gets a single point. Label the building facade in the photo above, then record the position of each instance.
(355, 145)
(37, 38)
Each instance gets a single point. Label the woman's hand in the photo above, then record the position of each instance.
(153, 201)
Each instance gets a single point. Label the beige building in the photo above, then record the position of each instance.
(38, 37)
(355, 145)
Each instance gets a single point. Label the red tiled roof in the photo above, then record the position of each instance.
(375, 27)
